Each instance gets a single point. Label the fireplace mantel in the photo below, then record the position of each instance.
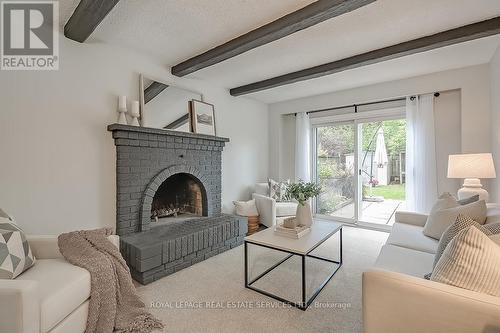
(163, 132)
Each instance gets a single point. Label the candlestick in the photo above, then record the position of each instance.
(122, 103)
(122, 109)
(134, 113)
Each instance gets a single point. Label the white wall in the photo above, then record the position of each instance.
(495, 123)
(57, 160)
(473, 83)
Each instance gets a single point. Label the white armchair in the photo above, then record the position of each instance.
(52, 296)
(269, 209)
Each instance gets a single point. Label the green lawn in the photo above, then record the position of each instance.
(396, 191)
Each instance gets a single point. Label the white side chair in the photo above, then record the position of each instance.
(52, 296)
(269, 209)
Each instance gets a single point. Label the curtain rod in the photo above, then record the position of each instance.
(355, 106)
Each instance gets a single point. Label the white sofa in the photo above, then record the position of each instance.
(270, 210)
(396, 297)
(52, 296)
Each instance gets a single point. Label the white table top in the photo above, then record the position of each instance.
(320, 230)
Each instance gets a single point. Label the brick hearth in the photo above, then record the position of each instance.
(171, 247)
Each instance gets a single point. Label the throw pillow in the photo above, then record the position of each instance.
(471, 261)
(495, 238)
(5, 215)
(15, 252)
(438, 221)
(468, 200)
(462, 222)
(246, 208)
(492, 219)
(277, 190)
(445, 201)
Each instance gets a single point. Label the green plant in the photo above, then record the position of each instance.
(329, 202)
(325, 171)
(303, 191)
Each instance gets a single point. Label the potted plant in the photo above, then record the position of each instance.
(303, 192)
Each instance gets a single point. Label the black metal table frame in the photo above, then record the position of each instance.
(305, 303)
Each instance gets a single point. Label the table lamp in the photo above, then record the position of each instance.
(471, 167)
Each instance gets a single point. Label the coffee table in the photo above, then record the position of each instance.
(320, 232)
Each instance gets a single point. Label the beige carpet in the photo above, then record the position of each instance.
(210, 296)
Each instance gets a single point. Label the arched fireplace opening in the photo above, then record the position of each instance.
(180, 197)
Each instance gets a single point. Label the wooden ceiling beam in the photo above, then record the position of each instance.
(153, 90)
(303, 18)
(454, 36)
(86, 17)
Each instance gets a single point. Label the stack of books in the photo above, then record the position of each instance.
(295, 233)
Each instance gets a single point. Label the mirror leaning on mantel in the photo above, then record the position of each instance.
(165, 106)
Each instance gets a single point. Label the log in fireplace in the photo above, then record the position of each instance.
(180, 196)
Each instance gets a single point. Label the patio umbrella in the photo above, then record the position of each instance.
(380, 157)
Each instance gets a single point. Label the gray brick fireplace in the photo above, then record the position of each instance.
(175, 176)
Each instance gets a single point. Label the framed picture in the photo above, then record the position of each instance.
(203, 117)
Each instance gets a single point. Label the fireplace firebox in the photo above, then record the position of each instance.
(181, 196)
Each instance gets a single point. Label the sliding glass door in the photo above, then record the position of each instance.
(361, 167)
(382, 177)
(335, 169)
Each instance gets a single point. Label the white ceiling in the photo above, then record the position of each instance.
(172, 31)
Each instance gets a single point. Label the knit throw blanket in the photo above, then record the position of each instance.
(114, 304)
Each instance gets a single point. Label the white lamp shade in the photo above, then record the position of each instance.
(471, 166)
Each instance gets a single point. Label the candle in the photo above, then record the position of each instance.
(135, 109)
(134, 113)
(122, 103)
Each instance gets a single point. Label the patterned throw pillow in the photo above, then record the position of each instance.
(462, 222)
(15, 252)
(496, 239)
(471, 261)
(277, 190)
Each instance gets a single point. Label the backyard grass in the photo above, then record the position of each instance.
(396, 192)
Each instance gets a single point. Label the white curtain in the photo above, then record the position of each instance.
(421, 179)
(302, 147)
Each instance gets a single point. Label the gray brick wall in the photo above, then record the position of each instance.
(168, 248)
(145, 157)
